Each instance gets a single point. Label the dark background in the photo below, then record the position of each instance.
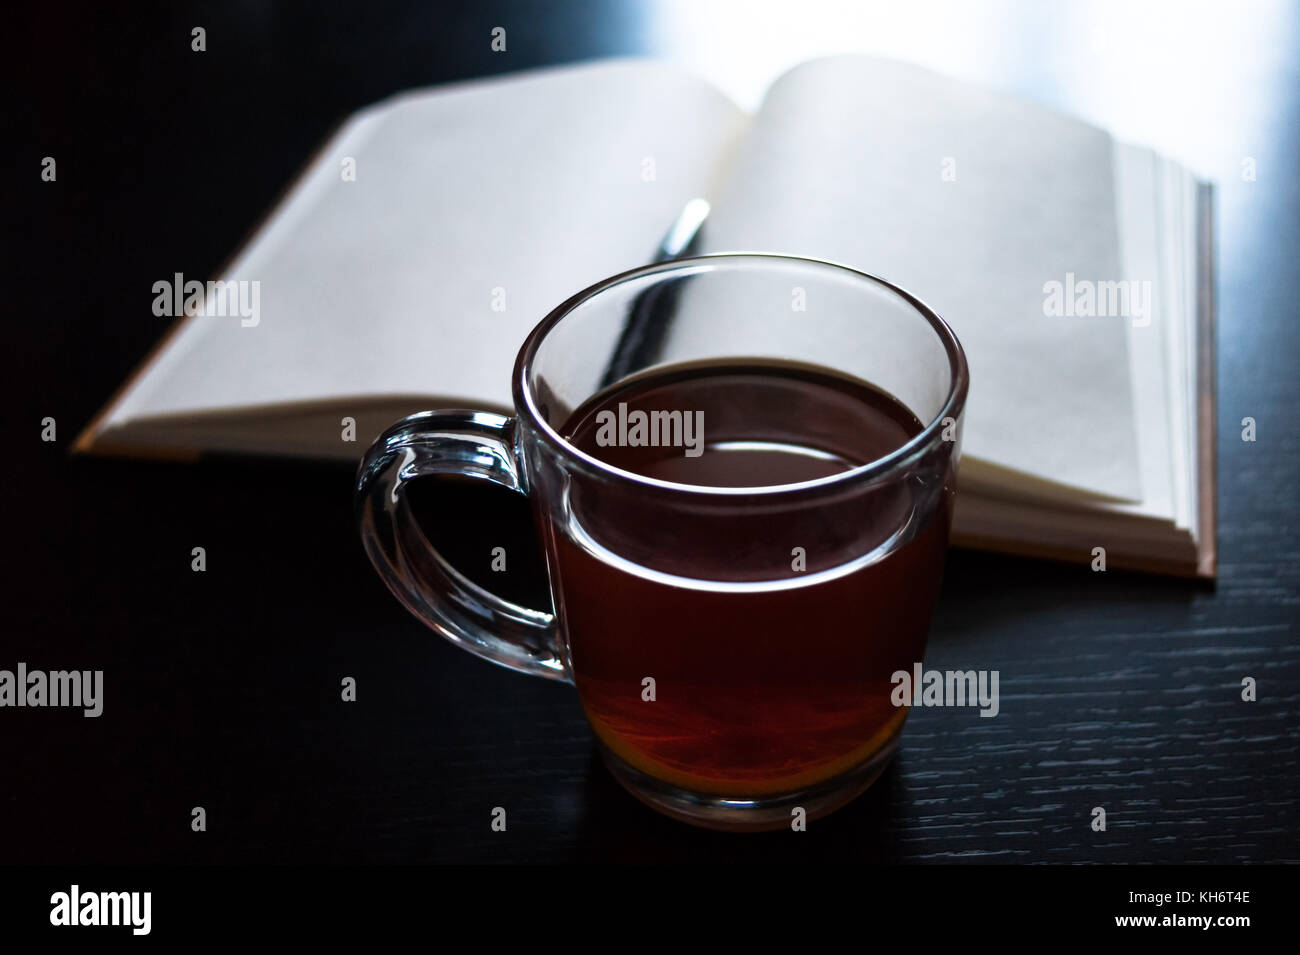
(222, 688)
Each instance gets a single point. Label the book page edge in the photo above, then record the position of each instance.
(1207, 563)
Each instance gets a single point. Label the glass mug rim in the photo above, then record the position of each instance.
(897, 460)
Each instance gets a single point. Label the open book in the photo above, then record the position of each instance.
(406, 265)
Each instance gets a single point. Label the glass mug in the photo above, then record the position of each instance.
(732, 646)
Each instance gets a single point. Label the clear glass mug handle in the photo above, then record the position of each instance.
(475, 444)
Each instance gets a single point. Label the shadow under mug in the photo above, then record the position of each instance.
(728, 685)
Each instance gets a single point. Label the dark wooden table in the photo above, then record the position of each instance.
(222, 688)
